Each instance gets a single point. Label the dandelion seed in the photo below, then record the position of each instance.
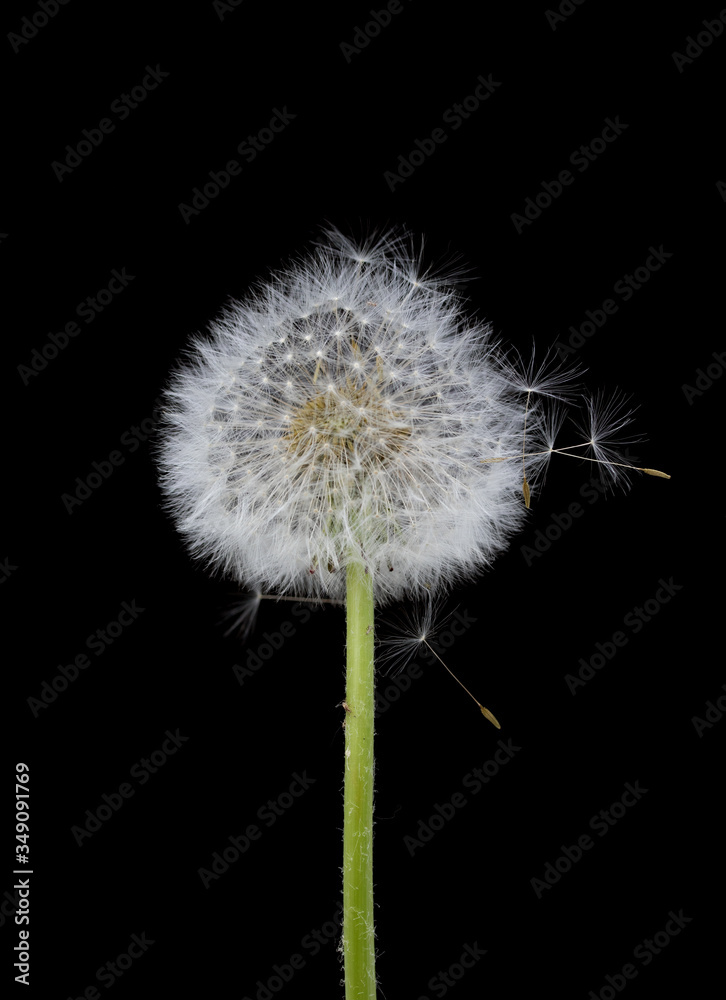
(242, 615)
(551, 378)
(412, 630)
(406, 630)
(243, 611)
(606, 434)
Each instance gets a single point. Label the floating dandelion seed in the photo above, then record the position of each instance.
(243, 611)
(417, 630)
(348, 432)
(242, 615)
(405, 631)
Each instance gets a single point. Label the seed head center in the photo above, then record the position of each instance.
(332, 425)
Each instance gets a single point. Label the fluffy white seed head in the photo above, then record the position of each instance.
(348, 410)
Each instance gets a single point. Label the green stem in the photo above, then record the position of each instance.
(358, 932)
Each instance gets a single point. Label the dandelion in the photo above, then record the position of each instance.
(348, 432)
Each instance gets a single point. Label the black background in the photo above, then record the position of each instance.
(536, 615)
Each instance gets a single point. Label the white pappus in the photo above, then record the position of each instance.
(349, 410)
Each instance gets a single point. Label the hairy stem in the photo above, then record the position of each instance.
(358, 932)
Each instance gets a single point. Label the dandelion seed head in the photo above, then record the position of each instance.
(348, 409)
